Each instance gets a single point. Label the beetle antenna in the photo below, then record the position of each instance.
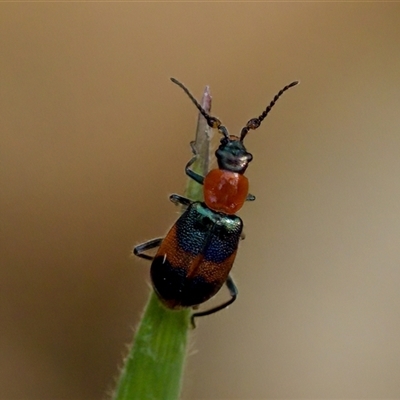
(254, 123)
(212, 122)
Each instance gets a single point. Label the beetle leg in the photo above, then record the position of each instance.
(178, 199)
(140, 249)
(250, 197)
(189, 172)
(232, 291)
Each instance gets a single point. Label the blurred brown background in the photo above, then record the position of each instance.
(94, 137)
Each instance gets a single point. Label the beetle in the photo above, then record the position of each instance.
(195, 258)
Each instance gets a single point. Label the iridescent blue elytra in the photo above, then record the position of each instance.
(195, 258)
(204, 245)
(214, 235)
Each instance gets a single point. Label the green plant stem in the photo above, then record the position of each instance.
(154, 367)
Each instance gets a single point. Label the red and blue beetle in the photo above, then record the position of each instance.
(195, 258)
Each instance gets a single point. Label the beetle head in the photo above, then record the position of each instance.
(231, 153)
